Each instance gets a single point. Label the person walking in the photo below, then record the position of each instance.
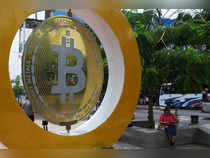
(44, 124)
(205, 97)
(27, 108)
(169, 121)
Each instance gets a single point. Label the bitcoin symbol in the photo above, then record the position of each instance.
(63, 69)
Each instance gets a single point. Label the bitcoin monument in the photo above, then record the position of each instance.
(62, 70)
(63, 77)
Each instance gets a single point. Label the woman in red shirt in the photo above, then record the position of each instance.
(169, 121)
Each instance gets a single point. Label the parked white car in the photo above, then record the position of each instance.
(205, 107)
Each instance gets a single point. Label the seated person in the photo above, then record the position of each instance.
(169, 121)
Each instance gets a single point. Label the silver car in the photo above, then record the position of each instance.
(205, 107)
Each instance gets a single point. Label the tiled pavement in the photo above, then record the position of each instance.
(124, 146)
(119, 145)
(56, 129)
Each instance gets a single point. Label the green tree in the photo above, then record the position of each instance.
(17, 87)
(178, 54)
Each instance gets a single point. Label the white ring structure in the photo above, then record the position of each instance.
(116, 70)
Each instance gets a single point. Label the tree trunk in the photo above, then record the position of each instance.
(150, 109)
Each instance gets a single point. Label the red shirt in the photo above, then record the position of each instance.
(168, 120)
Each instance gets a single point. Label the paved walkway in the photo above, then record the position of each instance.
(124, 146)
(56, 129)
(205, 128)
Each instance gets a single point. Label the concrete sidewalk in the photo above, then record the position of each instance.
(156, 139)
(56, 129)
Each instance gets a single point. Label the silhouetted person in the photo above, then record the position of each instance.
(27, 107)
(44, 124)
(205, 97)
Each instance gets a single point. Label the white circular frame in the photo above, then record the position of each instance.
(116, 70)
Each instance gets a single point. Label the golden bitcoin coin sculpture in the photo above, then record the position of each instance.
(62, 70)
(117, 107)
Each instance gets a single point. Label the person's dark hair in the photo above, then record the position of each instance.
(166, 109)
